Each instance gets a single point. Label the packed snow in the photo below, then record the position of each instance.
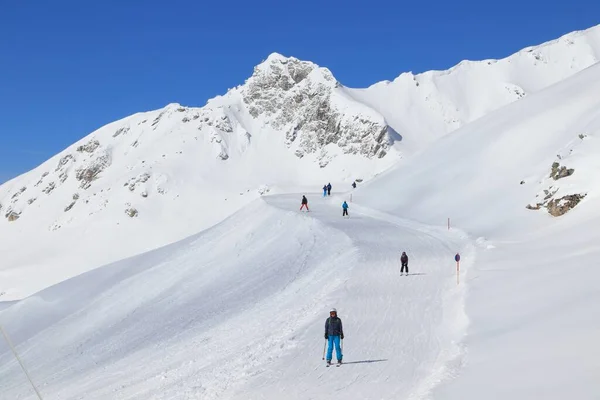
(164, 256)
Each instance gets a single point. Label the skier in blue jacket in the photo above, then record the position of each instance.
(345, 208)
(333, 333)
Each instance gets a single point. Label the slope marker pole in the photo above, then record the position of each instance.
(20, 362)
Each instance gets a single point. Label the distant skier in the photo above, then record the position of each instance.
(333, 333)
(324, 190)
(304, 203)
(345, 208)
(354, 184)
(329, 189)
(404, 261)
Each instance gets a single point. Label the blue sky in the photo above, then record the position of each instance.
(69, 67)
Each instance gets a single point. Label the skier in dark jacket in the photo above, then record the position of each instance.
(354, 184)
(304, 203)
(333, 333)
(404, 261)
(329, 189)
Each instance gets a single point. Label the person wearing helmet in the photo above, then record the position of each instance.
(333, 333)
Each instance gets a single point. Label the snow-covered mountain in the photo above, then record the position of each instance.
(236, 311)
(157, 177)
(424, 107)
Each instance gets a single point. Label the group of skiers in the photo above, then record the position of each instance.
(304, 204)
(334, 332)
(327, 192)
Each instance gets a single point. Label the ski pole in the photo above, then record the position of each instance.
(12, 347)
(324, 346)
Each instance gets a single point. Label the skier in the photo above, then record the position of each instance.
(333, 333)
(329, 189)
(324, 190)
(304, 203)
(354, 184)
(404, 261)
(345, 208)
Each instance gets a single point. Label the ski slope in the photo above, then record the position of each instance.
(238, 311)
(533, 297)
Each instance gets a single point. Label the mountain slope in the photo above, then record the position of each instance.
(156, 177)
(426, 106)
(532, 290)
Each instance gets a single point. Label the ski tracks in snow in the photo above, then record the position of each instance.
(238, 312)
(402, 332)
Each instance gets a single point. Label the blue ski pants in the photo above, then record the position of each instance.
(334, 340)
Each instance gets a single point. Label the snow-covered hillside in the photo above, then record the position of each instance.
(237, 311)
(156, 177)
(426, 106)
(524, 181)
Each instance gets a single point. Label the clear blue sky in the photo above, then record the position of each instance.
(68, 67)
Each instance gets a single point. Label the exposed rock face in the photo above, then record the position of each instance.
(558, 207)
(12, 216)
(89, 147)
(90, 172)
(303, 100)
(132, 212)
(559, 172)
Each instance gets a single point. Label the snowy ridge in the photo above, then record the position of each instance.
(431, 104)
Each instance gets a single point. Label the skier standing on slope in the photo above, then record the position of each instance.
(354, 184)
(324, 190)
(345, 208)
(404, 261)
(333, 333)
(329, 189)
(304, 203)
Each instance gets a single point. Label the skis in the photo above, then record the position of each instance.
(339, 364)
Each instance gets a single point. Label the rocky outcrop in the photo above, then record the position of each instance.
(89, 147)
(558, 207)
(559, 172)
(89, 173)
(301, 99)
(12, 215)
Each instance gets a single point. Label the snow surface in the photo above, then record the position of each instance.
(237, 310)
(532, 293)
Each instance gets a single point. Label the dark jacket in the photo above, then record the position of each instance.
(404, 258)
(333, 327)
(304, 200)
